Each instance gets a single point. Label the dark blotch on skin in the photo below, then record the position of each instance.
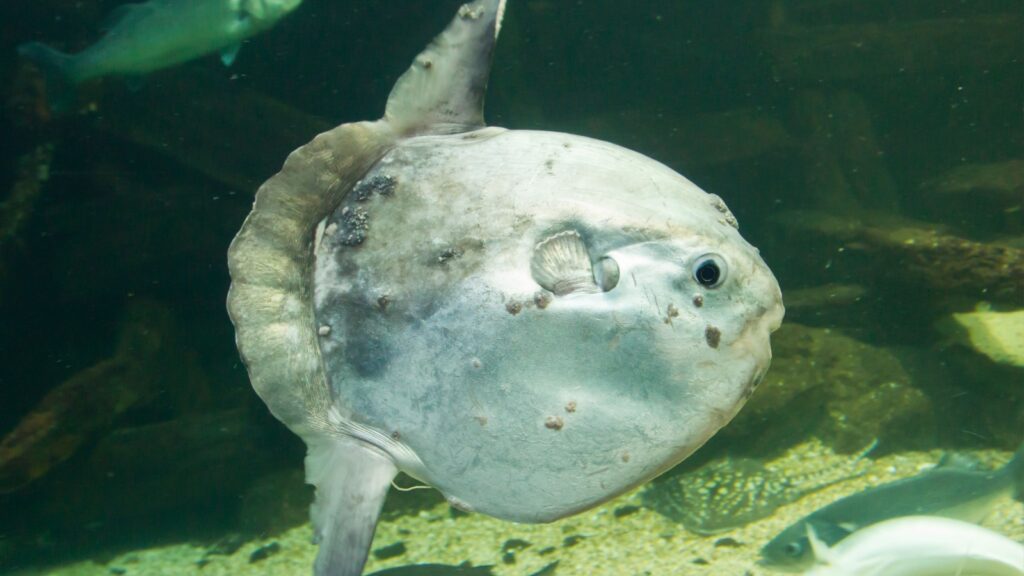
(369, 356)
(698, 300)
(514, 308)
(713, 336)
(449, 254)
(367, 351)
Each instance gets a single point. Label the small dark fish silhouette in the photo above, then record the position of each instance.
(463, 569)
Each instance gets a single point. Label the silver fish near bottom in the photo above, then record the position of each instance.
(948, 490)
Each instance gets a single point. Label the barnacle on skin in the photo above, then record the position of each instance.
(382, 184)
(354, 225)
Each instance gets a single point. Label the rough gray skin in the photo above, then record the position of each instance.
(513, 317)
(434, 334)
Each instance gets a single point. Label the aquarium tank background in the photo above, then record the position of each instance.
(873, 151)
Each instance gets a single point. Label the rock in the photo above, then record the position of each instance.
(275, 503)
(1004, 180)
(20, 204)
(998, 335)
(860, 51)
(821, 382)
(911, 255)
(199, 460)
(824, 304)
(147, 482)
(89, 403)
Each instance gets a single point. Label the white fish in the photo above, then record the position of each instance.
(142, 38)
(919, 546)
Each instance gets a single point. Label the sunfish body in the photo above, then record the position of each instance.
(531, 322)
(919, 546)
(949, 491)
(158, 34)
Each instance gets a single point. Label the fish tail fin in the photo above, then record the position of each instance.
(58, 71)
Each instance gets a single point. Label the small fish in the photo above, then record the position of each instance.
(146, 37)
(947, 490)
(919, 546)
(733, 492)
(464, 569)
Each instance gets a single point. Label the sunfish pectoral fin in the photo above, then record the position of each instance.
(229, 53)
(352, 480)
(443, 91)
(561, 265)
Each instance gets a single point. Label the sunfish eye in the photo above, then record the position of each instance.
(793, 549)
(607, 273)
(709, 270)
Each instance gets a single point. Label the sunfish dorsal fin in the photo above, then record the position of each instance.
(443, 91)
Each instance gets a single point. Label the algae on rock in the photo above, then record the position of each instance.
(829, 385)
(998, 335)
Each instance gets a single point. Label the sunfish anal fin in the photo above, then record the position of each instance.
(443, 91)
(352, 480)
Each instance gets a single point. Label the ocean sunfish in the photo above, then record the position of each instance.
(530, 322)
(146, 37)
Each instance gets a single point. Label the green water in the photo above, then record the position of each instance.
(874, 153)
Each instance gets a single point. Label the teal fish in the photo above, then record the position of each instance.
(733, 492)
(146, 37)
(948, 490)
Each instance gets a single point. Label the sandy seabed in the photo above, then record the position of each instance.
(620, 538)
